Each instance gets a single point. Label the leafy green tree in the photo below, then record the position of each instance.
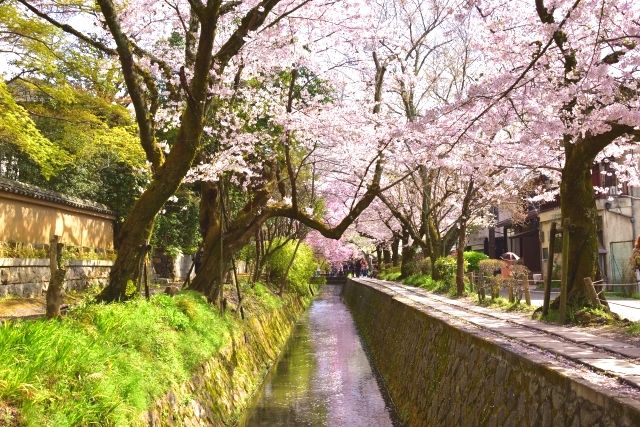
(18, 129)
(62, 125)
(292, 264)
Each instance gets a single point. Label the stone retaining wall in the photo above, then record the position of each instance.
(29, 278)
(223, 387)
(442, 373)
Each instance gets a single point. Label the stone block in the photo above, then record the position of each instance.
(31, 290)
(15, 289)
(5, 276)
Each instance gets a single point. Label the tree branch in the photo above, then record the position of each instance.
(143, 116)
(337, 231)
(68, 29)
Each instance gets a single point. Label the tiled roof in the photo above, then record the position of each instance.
(33, 192)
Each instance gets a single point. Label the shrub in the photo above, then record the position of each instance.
(489, 278)
(299, 275)
(473, 258)
(446, 267)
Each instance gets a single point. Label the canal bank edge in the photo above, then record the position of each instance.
(221, 388)
(440, 372)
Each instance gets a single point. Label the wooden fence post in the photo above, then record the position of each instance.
(547, 279)
(55, 293)
(590, 290)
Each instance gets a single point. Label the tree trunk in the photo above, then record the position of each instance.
(492, 242)
(462, 238)
(408, 260)
(578, 206)
(257, 268)
(395, 246)
(408, 254)
(386, 255)
(222, 243)
(137, 228)
(549, 273)
(208, 279)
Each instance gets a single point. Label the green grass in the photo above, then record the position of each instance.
(633, 328)
(391, 274)
(260, 292)
(425, 281)
(418, 280)
(104, 364)
(503, 304)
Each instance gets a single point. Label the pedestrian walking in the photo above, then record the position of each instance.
(364, 268)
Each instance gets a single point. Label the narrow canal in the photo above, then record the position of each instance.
(324, 378)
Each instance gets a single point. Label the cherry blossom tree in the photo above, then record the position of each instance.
(567, 73)
(310, 154)
(177, 59)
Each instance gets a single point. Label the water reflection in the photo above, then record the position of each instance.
(324, 377)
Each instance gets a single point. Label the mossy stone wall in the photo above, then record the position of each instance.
(222, 388)
(444, 373)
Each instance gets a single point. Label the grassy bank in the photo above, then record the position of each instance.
(105, 364)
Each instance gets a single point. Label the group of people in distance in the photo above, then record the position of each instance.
(354, 267)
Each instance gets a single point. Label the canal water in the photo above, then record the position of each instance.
(324, 377)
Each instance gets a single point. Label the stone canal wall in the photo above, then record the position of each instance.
(444, 373)
(222, 388)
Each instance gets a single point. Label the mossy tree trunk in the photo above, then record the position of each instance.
(224, 237)
(143, 91)
(225, 233)
(395, 252)
(462, 237)
(577, 200)
(386, 255)
(578, 208)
